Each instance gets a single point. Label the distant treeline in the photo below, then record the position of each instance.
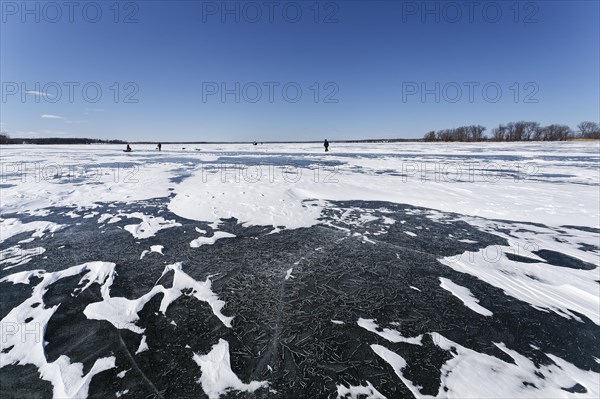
(5, 139)
(517, 131)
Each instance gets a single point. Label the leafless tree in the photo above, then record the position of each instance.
(589, 130)
(429, 136)
(529, 130)
(477, 132)
(556, 132)
(499, 133)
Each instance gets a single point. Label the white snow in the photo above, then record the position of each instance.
(17, 256)
(157, 248)
(143, 345)
(288, 274)
(470, 374)
(123, 312)
(27, 345)
(555, 184)
(217, 378)
(11, 227)
(153, 248)
(198, 242)
(149, 226)
(122, 373)
(359, 391)
(388, 333)
(546, 287)
(465, 295)
(550, 183)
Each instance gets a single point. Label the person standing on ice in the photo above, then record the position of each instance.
(326, 145)
(159, 146)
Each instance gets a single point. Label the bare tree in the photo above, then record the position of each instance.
(589, 130)
(429, 136)
(499, 133)
(514, 131)
(529, 130)
(461, 133)
(477, 132)
(444, 135)
(556, 132)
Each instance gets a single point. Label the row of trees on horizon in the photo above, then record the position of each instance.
(5, 139)
(513, 131)
(517, 131)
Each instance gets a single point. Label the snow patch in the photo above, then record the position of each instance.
(462, 376)
(149, 226)
(217, 377)
(198, 242)
(143, 345)
(388, 333)
(465, 295)
(12, 227)
(67, 379)
(359, 391)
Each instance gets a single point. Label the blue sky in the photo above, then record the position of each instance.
(192, 70)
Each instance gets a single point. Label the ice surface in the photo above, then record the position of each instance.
(470, 374)
(123, 312)
(516, 181)
(552, 267)
(545, 286)
(67, 378)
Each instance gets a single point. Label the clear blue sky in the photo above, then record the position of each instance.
(371, 57)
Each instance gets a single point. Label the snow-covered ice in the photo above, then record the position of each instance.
(217, 377)
(439, 270)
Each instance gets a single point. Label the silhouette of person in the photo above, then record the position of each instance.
(326, 145)
(159, 146)
(128, 149)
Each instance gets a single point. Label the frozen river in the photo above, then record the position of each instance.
(279, 270)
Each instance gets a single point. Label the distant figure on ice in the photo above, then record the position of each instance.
(255, 143)
(128, 149)
(326, 145)
(159, 146)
